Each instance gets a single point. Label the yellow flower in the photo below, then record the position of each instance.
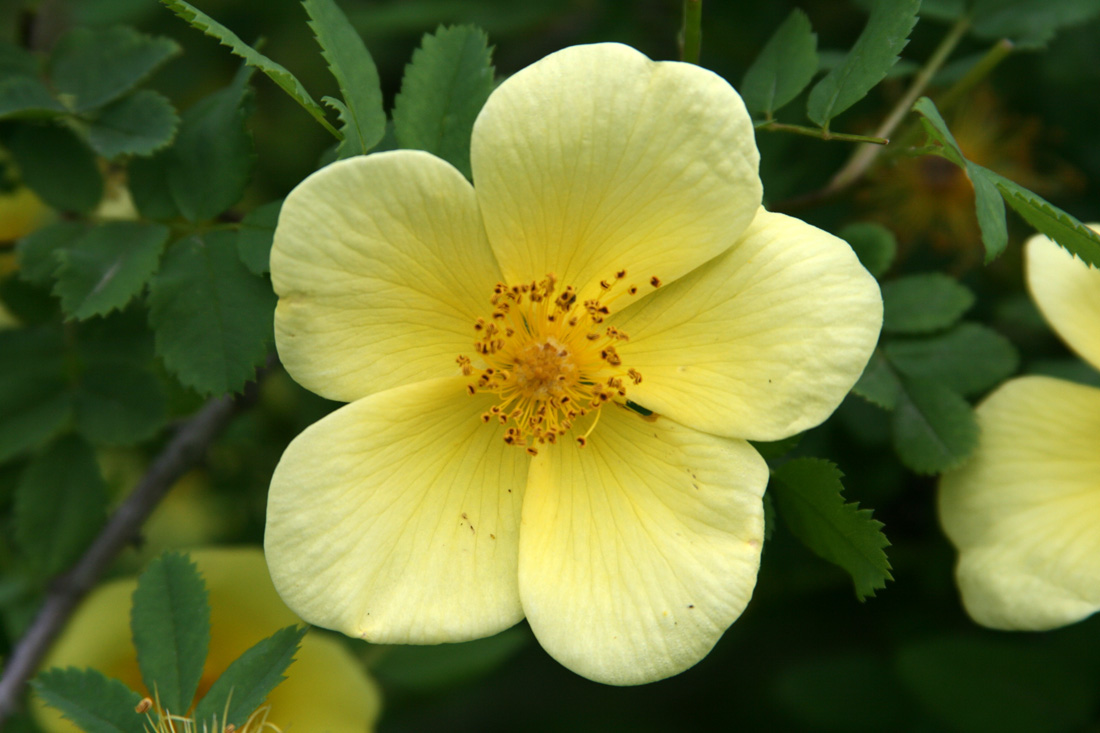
(326, 688)
(1024, 512)
(492, 340)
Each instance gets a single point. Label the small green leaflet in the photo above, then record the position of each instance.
(58, 166)
(106, 267)
(26, 97)
(276, 72)
(875, 245)
(808, 495)
(444, 88)
(60, 505)
(989, 207)
(212, 317)
(247, 681)
(784, 67)
(210, 163)
(170, 620)
(138, 124)
(34, 399)
(923, 303)
(879, 383)
(934, 428)
(35, 252)
(91, 67)
(968, 359)
(990, 187)
(256, 235)
(93, 702)
(349, 61)
(874, 52)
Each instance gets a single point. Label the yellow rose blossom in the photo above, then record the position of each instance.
(495, 342)
(1024, 512)
(326, 689)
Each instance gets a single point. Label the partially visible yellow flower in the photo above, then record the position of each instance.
(554, 373)
(1024, 512)
(326, 689)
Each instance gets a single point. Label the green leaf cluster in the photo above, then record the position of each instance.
(927, 362)
(790, 60)
(993, 191)
(170, 622)
(808, 496)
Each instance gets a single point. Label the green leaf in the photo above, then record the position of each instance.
(17, 61)
(988, 205)
(247, 681)
(211, 161)
(93, 702)
(149, 186)
(347, 57)
(118, 403)
(60, 505)
(108, 266)
(808, 495)
(26, 97)
(276, 72)
(212, 317)
(255, 236)
(1006, 684)
(933, 427)
(36, 252)
(58, 166)
(34, 399)
(95, 66)
(138, 124)
(874, 52)
(879, 382)
(923, 303)
(170, 620)
(783, 69)
(1048, 219)
(874, 245)
(445, 86)
(969, 358)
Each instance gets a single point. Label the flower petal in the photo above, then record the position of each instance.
(381, 266)
(762, 342)
(1067, 291)
(641, 548)
(1025, 511)
(396, 518)
(596, 159)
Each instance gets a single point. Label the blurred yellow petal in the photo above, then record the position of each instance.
(1025, 511)
(761, 343)
(597, 159)
(641, 548)
(21, 212)
(381, 266)
(1067, 291)
(396, 518)
(326, 688)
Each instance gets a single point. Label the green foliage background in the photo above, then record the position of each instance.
(806, 655)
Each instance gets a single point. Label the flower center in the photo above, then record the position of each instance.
(549, 360)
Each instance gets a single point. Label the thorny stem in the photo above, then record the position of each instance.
(183, 451)
(866, 154)
(819, 132)
(691, 35)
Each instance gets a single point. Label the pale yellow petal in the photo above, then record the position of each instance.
(1067, 291)
(761, 343)
(331, 692)
(1024, 512)
(381, 266)
(640, 549)
(596, 159)
(396, 518)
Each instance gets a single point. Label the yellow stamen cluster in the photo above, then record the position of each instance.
(549, 359)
